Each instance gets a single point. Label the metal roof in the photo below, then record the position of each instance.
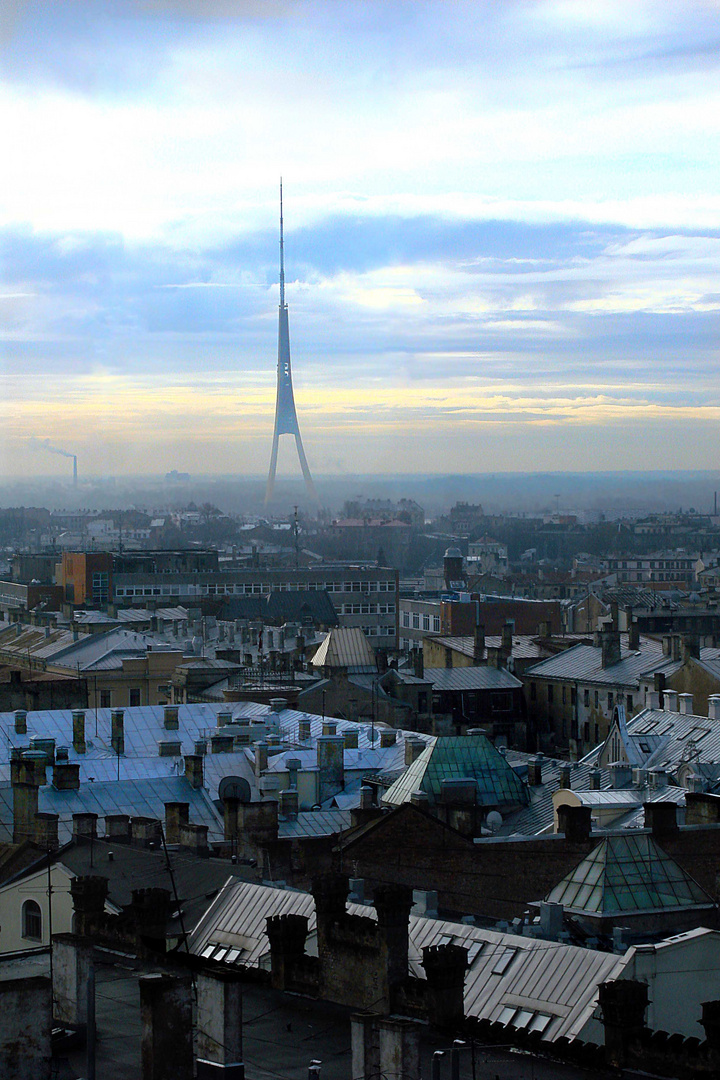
(138, 798)
(524, 646)
(471, 678)
(469, 756)
(315, 823)
(583, 663)
(656, 738)
(556, 983)
(345, 647)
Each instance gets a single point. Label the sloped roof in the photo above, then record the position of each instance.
(625, 875)
(467, 756)
(345, 647)
(483, 677)
(584, 663)
(560, 980)
(657, 738)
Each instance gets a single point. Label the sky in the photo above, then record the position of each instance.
(502, 234)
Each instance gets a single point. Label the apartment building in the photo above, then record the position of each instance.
(363, 596)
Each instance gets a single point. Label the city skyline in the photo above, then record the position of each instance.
(504, 239)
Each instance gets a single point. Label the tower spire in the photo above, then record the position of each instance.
(286, 421)
(282, 254)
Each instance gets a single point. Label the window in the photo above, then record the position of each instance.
(564, 694)
(31, 920)
(406, 618)
(573, 695)
(586, 698)
(597, 699)
(416, 620)
(105, 699)
(533, 691)
(426, 622)
(436, 624)
(629, 702)
(611, 699)
(550, 693)
(134, 696)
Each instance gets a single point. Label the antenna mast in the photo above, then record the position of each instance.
(282, 254)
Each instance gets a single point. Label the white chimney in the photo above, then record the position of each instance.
(670, 700)
(652, 699)
(714, 707)
(686, 704)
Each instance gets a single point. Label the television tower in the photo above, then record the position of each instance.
(286, 421)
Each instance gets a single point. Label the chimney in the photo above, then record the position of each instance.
(633, 637)
(565, 775)
(690, 647)
(25, 798)
(623, 1004)
(84, 825)
(714, 707)
(117, 828)
(620, 774)
(478, 644)
(652, 699)
(574, 822)
(224, 717)
(366, 797)
(167, 1028)
(388, 737)
(445, 970)
(78, 723)
(194, 770)
(330, 765)
(289, 804)
(676, 647)
(66, 776)
(534, 773)
(219, 1025)
(171, 717)
(176, 814)
(195, 838)
(610, 645)
(661, 817)
(670, 700)
(304, 733)
(686, 704)
(350, 735)
(20, 722)
(261, 758)
(418, 659)
(544, 629)
(278, 704)
(507, 639)
(329, 727)
(46, 831)
(117, 730)
(145, 831)
(494, 657)
(413, 748)
(595, 779)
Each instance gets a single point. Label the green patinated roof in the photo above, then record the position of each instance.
(467, 756)
(626, 874)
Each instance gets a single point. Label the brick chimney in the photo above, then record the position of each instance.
(194, 770)
(78, 723)
(25, 783)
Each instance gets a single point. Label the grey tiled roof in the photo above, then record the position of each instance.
(471, 678)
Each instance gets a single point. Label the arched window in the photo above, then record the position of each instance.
(31, 920)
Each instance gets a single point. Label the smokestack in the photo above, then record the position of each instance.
(74, 470)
